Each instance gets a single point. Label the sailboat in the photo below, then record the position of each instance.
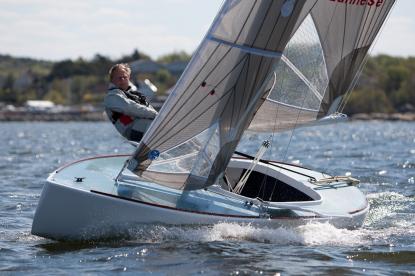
(264, 67)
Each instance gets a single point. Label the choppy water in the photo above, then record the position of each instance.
(380, 154)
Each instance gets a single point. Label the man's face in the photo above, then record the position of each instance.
(121, 79)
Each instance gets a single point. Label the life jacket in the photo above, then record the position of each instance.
(131, 127)
(132, 95)
(118, 116)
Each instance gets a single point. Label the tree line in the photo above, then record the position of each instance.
(386, 85)
(71, 82)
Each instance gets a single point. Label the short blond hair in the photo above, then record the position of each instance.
(119, 66)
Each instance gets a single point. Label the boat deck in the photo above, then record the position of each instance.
(82, 201)
(98, 174)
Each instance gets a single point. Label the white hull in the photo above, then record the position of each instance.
(98, 208)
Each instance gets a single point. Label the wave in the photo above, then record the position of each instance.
(309, 234)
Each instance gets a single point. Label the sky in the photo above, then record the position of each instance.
(56, 30)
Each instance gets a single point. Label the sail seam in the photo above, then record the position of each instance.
(247, 49)
(156, 143)
(246, 20)
(200, 114)
(256, 77)
(262, 25)
(371, 33)
(372, 25)
(227, 103)
(362, 27)
(343, 57)
(174, 113)
(330, 24)
(243, 72)
(286, 25)
(266, 45)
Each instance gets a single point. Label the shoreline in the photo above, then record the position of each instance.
(76, 116)
(406, 117)
(92, 116)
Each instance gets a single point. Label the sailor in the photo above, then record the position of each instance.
(125, 106)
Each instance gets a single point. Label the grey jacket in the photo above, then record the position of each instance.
(129, 117)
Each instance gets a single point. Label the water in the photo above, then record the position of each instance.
(380, 154)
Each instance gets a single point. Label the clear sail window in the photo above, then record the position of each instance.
(302, 82)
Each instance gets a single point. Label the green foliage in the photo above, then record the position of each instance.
(55, 96)
(395, 75)
(92, 98)
(100, 65)
(136, 55)
(369, 101)
(164, 80)
(16, 66)
(163, 76)
(29, 94)
(7, 93)
(68, 68)
(9, 82)
(406, 92)
(387, 84)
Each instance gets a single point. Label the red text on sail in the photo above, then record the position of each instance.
(377, 3)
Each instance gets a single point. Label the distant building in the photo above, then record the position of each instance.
(145, 67)
(176, 68)
(141, 66)
(39, 105)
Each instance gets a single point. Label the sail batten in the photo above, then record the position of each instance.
(250, 50)
(302, 77)
(292, 106)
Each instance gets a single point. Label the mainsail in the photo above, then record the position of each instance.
(245, 75)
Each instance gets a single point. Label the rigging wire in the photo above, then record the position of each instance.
(271, 143)
(276, 121)
(260, 153)
(242, 181)
(276, 126)
(290, 140)
(297, 119)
